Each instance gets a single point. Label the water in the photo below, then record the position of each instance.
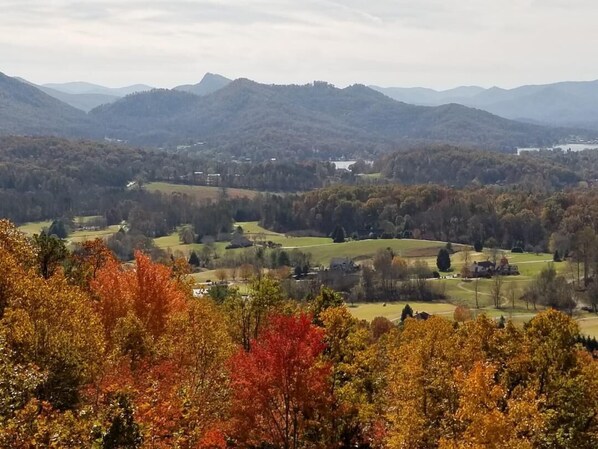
(565, 147)
(344, 165)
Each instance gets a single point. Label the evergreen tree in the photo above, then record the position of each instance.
(59, 229)
(338, 235)
(124, 431)
(407, 312)
(194, 259)
(443, 261)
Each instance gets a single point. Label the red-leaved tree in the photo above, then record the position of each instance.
(280, 386)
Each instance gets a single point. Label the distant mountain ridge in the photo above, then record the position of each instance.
(570, 103)
(210, 83)
(246, 118)
(25, 109)
(315, 118)
(79, 87)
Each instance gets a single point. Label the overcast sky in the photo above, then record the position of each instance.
(432, 43)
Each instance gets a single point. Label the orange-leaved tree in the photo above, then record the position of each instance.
(280, 386)
(148, 291)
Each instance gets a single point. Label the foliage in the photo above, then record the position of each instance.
(279, 386)
(443, 261)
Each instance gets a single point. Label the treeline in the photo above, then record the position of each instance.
(47, 178)
(494, 217)
(461, 167)
(99, 355)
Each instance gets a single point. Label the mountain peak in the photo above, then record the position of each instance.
(211, 82)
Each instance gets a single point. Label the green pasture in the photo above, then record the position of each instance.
(202, 193)
(74, 237)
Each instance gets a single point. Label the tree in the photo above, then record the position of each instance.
(443, 260)
(496, 290)
(338, 235)
(187, 235)
(51, 252)
(478, 246)
(59, 229)
(149, 291)
(194, 259)
(123, 431)
(326, 299)
(279, 387)
(407, 312)
(380, 326)
(462, 314)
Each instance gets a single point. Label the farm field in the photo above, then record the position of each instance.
(392, 310)
(74, 237)
(202, 193)
(588, 323)
(321, 248)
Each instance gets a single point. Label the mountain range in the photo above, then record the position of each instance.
(243, 117)
(87, 96)
(573, 104)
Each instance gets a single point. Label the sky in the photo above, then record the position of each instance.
(431, 43)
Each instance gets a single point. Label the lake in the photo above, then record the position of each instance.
(565, 147)
(344, 165)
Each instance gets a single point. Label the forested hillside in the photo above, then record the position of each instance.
(495, 217)
(459, 167)
(24, 109)
(259, 120)
(96, 354)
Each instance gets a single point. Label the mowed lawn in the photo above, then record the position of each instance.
(202, 193)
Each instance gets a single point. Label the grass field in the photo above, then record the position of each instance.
(74, 237)
(392, 310)
(321, 248)
(588, 323)
(202, 193)
(34, 227)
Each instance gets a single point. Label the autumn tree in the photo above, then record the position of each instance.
(280, 386)
(148, 291)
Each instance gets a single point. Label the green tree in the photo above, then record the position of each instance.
(407, 312)
(123, 432)
(194, 259)
(338, 235)
(443, 261)
(59, 229)
(51, 252)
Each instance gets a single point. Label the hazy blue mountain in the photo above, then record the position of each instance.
(246, 116)
(561, 104)
(210, 83)
(429, 97)
(79, 87)
(85, 102)
(24, 109)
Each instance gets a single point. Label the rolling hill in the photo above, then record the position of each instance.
(245, 116)
(573, 104)
(24, 109)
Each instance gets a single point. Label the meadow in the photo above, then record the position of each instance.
(201, 193)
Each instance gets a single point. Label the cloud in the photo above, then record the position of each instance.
(400, 42)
